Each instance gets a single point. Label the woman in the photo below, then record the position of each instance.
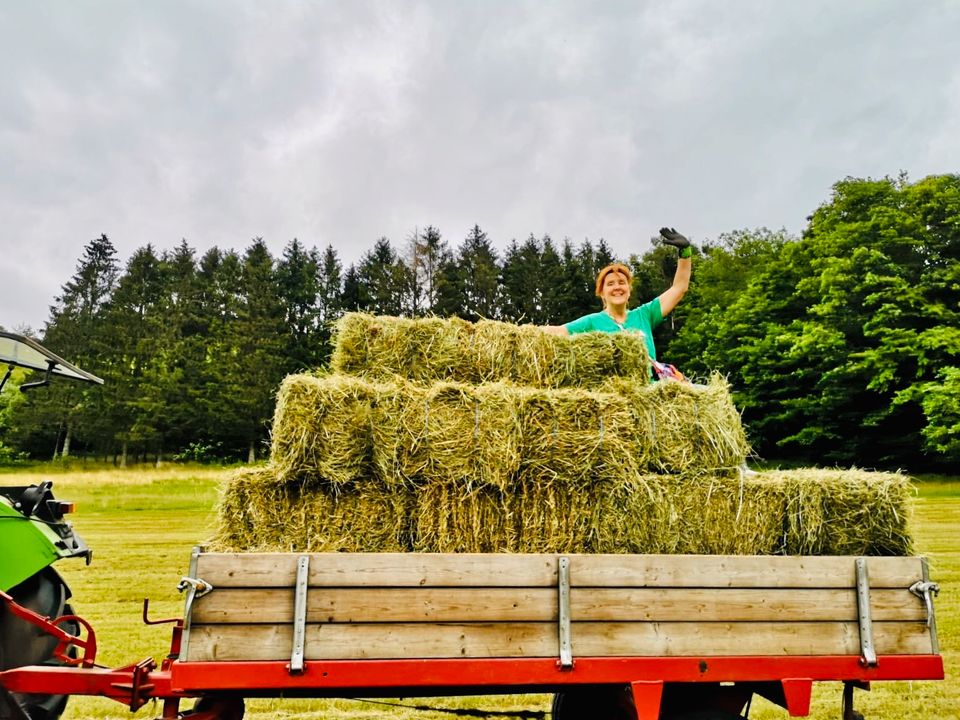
(613, 289)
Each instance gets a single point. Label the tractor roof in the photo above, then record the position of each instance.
(26, 353)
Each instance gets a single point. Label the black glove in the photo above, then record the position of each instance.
(672, 237)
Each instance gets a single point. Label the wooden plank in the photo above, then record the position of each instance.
(509, 570)
(409, 641)
(739, 605)
(737, 571)
(472, 605)
(381, 570)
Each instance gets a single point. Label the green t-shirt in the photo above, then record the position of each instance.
(641, 319)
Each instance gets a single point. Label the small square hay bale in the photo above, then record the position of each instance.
(321, 429)
(576, 436)
(450, 517)
(844, 512)
(259, 513)
(681, 427)
(449, 432)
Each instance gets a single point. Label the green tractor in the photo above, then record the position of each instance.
(34, 535)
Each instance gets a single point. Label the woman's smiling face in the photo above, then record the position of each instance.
(616, 289)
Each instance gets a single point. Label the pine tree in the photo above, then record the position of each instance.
(521, 283)
(76, 331)
(298, 284)
(472, 289)
(248, 363)
(556, 302)
(429, 256)
(354, 296)
(329, 301)
(384, 280)
(136, 318)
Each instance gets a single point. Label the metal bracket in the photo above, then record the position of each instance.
(926, 591)
(931, 617)
(299, 615)
(868, 654)
(198, 586)
(192, 583)
(563, 588)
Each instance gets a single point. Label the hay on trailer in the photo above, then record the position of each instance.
(448, 432)
(577, 436)
(426, 350)
(845, 512)
(321, 429)
(796, 512)
(260, 513)
(820, 512)
(682, 427)
(421, 350)
(336, 429)
(451, 518)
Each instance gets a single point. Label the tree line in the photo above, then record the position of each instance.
(842, 345)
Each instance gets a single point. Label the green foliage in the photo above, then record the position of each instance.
(10, 399)
(471, 288)
(834, 341)
(941, 405)
(200, 452)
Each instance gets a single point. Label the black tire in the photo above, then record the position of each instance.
(229, 707)
(594, 702)
(614, 702)
(22, 643)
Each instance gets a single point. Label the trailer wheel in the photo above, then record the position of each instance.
(218, 708)
(24, 644)
(594, 702)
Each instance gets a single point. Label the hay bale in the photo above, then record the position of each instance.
(682, 427)
(818, 512)
(423, 350)
(451, 518)
(426, 350)
(260, 513)
(796, 512)
(578, 437)
(335, 430)
(844, 512)
(447, 432)
(321, 429)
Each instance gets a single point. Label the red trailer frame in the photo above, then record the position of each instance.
(787, 681)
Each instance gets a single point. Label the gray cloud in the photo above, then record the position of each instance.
(340, 122)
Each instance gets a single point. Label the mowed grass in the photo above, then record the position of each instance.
(143, 523)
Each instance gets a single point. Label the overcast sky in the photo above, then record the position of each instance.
(340, 122)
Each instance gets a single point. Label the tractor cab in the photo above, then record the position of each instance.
(19, 351)
(33, 535)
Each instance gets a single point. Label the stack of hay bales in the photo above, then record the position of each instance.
(438, 435)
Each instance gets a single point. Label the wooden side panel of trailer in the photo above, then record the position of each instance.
(365, 606)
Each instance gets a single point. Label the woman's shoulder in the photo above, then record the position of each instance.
(650, 310)
(584, 323)
(647, 306)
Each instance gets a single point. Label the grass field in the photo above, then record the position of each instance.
(143, 523)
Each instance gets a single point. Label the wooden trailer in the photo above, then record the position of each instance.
(653, 637)
(687, 634)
